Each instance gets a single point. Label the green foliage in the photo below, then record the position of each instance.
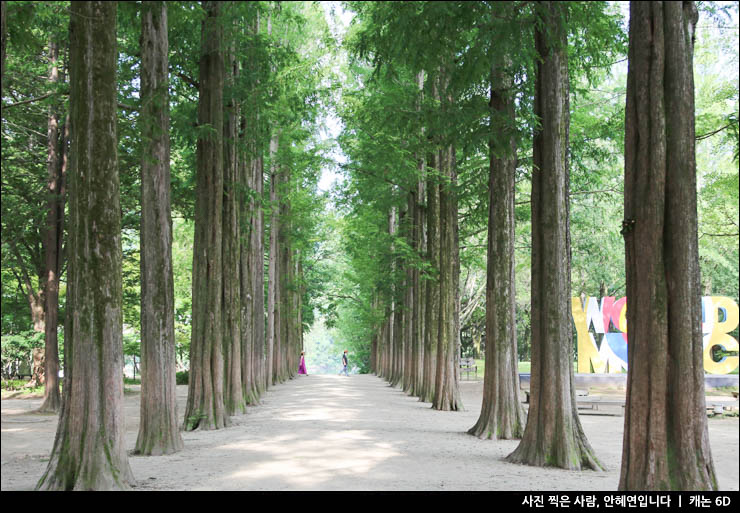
(182, 377)
(17, 351)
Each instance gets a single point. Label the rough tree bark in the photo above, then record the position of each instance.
(409, 300)
(432, 287)
(258, 290)
(284, 340)
(158, 427)
(446, 390)
(553, 436)
(205, 406)
(56, 165)
(231, 307)
(399, 313)
(89, 450)
(273, 291)
(252, 246)
(247, 216)
(502, 415)
(666, 445)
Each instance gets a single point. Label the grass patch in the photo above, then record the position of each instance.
(524, 367)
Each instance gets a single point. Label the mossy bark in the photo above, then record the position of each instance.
(231, 307)
(666, 444)
(446, 387)
(158, 427)
(89, 447)
(205, 405)
(553, 435)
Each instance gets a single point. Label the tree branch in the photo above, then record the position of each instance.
(27, 279)
(719, 235)
(31, 100)
(710, 134)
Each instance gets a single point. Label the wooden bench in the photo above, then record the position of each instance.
(468, 365)
(579, 393)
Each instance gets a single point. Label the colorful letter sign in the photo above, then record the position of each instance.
(610, 319)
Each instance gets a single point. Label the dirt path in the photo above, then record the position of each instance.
(338, 433)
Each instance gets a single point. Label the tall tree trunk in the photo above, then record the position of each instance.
(247, 217)
(432, 286)
(231, 309)
(273, 291)
(553, 436)
(258, 258)
(502, 415)
(446, 390)
(666, 444)
(399, 314)
(284, 279)
(409, 301)
(89, 450)
(56, 172)
(158, 428)
(252, 248)
(205, 406)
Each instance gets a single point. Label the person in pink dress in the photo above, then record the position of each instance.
(302, 366)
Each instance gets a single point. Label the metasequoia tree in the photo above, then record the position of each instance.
(251, 261)
(89, 451)
(158, 427)
(502, 415)
(446, 390)
(205, 406)
(431, 296)
(56, 165)
(666, 444)
(232, 197)
(273, 291)
(553, 435)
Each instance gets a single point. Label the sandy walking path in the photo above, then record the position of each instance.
(341, 433)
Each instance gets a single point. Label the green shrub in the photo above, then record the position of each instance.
(13, 384)
(181, 378)
(16, 351)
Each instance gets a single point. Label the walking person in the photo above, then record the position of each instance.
(344, 363)
(302, 366)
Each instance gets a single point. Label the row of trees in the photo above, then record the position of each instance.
(238, 64)
(441, 89)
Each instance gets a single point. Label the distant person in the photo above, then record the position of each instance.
(344, 363)
(302, 366)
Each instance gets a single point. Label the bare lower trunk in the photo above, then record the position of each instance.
(273, 291)
(231, 306)
(446, 390)
(205, 406)
(666, 445)
(53, 244)
(158, 427)
(89, 450)
(432, 290)
(553, 436)
(502, 415)
(247, 271)
(258, 259)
